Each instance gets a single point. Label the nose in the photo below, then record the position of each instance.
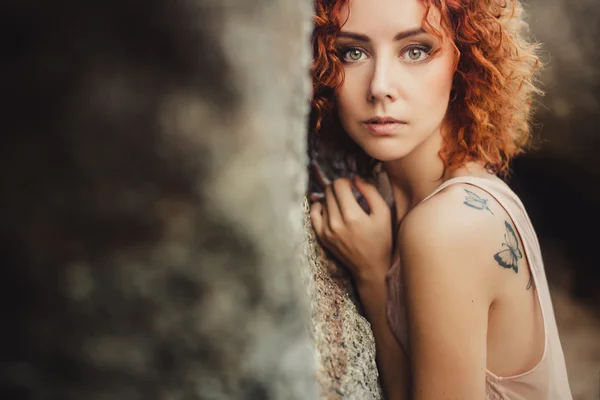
(382, 87)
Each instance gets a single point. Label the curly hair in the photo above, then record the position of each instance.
(493, 86)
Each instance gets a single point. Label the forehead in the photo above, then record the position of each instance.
(381, 17)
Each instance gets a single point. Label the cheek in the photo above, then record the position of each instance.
(347, 100)
(445, 77)
(435, 91)
(349, 92)
(445, 82)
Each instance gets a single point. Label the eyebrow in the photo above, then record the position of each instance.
(399, 36)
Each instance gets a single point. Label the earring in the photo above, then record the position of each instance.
(453, 95)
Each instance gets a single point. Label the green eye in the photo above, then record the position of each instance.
(415, 54)
(353, 55)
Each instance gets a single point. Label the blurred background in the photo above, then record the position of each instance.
(559, 182)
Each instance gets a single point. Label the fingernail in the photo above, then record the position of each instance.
(316, 196)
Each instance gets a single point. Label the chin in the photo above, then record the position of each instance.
(383, 148)
(389, 153)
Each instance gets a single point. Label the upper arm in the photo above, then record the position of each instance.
(448, 294)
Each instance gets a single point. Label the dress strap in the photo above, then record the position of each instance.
(473, 180)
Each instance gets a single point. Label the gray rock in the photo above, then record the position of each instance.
(152, 176)
(341, 335)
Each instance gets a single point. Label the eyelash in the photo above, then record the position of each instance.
(426, 49)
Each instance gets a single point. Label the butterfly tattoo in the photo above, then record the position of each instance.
(473, 200)
(509, 257)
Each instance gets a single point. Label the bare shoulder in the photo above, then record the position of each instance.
(462, 227)
(460, 214)
(446, 247)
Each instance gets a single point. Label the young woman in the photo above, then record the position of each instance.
(437, 93)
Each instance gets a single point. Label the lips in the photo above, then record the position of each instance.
(384, 120)
(383, 125)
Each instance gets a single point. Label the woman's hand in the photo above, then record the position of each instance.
(363, 242)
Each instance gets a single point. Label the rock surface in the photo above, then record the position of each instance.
(152, 171)
(343, 340)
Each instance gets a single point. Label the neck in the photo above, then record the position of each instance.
(414, 176)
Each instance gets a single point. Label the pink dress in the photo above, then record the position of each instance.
(548, 380)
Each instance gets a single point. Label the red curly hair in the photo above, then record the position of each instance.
(493, 85)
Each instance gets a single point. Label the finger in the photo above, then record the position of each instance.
(333, 210)
(349, 207)
(326, 232)
(371, 194)
(322, 180)
(316, 196)
(316, 217)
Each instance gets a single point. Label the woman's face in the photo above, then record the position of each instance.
(394, 71)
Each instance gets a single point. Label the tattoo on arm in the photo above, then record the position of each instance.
(475, 201)
(509, 257)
